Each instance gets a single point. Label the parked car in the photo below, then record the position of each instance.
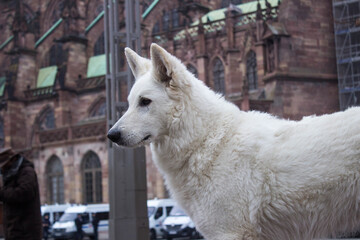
(158, 210)
(178, 224)
(65, 228)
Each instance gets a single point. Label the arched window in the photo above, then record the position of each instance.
(98, 109)
(55, 180)
(2, 135)
(47, 119)
(192, 69)
(165, 21)
(251, 70)
(226, 3)
(99, 47)
(218, 76)
(91, 172)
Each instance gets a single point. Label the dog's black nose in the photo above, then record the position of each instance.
(114, 135)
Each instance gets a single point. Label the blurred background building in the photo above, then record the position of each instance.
(267, 55)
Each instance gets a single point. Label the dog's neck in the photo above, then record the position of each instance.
(190, 132)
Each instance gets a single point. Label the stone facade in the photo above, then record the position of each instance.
(294, 46)
(277, 58)
(60, 120)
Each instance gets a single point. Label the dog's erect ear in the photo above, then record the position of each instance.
(162, 63)
(138, 65)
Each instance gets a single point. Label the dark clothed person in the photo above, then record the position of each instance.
(95, 223)
(46, 225)
(78, 224)
(20, 197)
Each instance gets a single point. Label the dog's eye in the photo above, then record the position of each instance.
(144, 102)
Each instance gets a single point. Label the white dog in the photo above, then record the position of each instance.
(242, 175)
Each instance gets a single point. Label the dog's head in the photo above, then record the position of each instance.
(153, 100)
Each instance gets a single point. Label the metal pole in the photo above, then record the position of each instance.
(127, 167)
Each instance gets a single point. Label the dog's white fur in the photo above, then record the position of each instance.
(243, 175)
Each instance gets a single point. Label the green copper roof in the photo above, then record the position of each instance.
(6, 42)
(245, 8)
(96, 66)
(148, 10)
(93, 23)
(218, 16)
(2, 85)
(48, 32)
(46, 77)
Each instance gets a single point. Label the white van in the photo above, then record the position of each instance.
(179, 225)
(54, 211)
(102, 213)
(65, 227)
(158, 210)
